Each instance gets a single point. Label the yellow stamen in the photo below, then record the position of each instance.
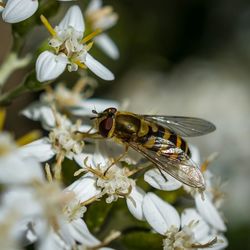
(209, 159)
(91, 35)
(48, 173)
(81, 65)
(48, 25)
(29, 137)
(2, 117)
(89, 46)
(58, 166)
(79, 171)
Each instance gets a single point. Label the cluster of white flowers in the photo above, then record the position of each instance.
(37, 207)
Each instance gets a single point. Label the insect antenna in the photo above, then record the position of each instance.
(98, 115)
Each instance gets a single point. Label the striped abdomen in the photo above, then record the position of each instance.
(159, 139)
(150, 135)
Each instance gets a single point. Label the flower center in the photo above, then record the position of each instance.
(176, 239)
(70, 44)
(64, 139)
(116, 184)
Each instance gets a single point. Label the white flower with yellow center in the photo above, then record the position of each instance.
(189, 231)
(70, 49)
(102, 17)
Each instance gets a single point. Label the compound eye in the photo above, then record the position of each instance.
(105, 126)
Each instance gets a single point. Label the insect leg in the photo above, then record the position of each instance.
(164, 177)
(84, 135)
(117, 159)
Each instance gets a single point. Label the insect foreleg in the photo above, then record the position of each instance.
(116, 160)
(84, 135)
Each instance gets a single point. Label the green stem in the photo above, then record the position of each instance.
(30, 84)
(6, 98)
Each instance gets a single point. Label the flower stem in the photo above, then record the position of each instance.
(30, 83)
(6, 98)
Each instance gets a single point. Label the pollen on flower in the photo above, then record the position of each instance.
(62, 96)
(74, 210)
(64, 138)
(70, 43)
(184, 238)
(176, 239)
(114, 182)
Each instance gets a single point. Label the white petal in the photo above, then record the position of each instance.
(28, 205)
(40, 149)
(156, 180)
(221, 243)
(134, 202)
(201, 230)
(52, 242)
(19, 10)
(98, 68)
(49, 66)
(82, 235)
(73, 18)
(38, 111)
(104, 42)
(195, 154)
(93, 6)
(209, 212)
(159, 214)
(80, 158)
(86, 106)
(15, 170)
(85, 188)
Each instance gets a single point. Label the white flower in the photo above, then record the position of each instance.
(62, 139)
(14, 169)
(52, 221)
(69, 49)
(73, 100)
(102, 17)
(15, 11)
(189, 231)
(204, 202)
(106, 178)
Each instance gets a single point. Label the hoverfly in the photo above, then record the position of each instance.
(159, 139)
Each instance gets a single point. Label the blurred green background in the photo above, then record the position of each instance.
(182, 57)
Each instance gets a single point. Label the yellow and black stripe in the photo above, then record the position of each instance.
(152, 139)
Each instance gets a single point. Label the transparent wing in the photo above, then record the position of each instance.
(183, 126)
(173, 161)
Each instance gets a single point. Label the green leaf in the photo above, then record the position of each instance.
(142, 240)
(96, 215)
